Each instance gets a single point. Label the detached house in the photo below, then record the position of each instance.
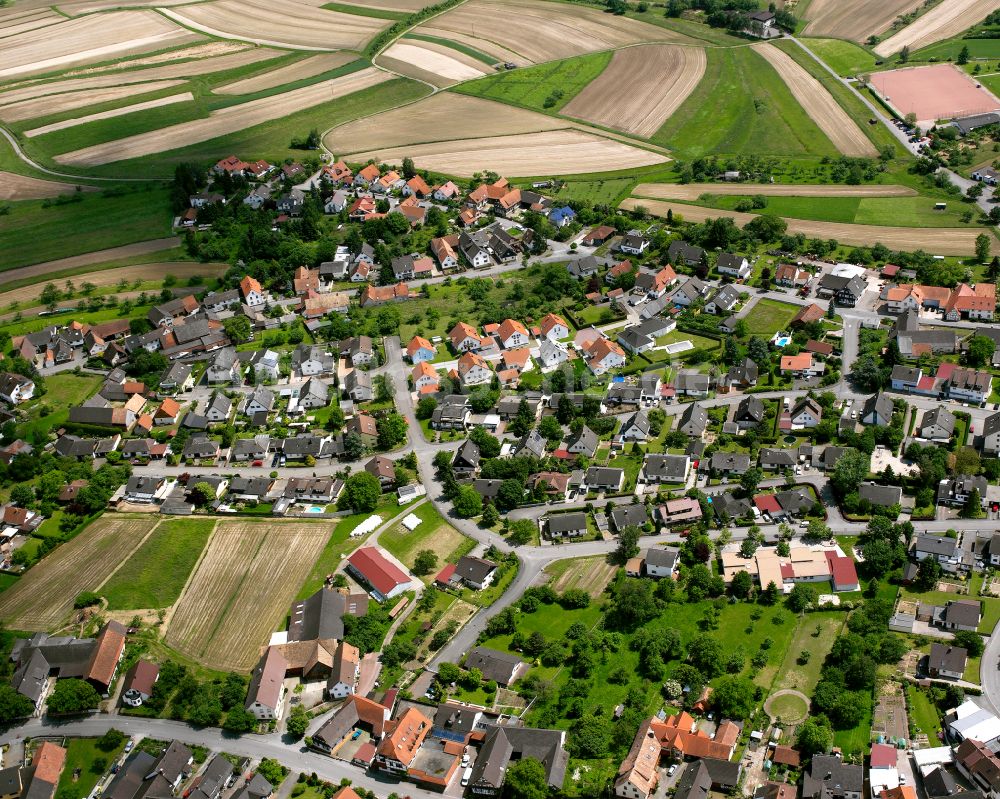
(734, 265)
(473, 370)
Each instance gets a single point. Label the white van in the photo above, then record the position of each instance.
(466, 776)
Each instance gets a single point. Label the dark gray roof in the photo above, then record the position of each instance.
(659, 556)
(321, 616)
(730, 461)
(940, 783)
(494, 665)
(666, 467)
(831, 776)
(624, 515)
(880, 403)
(695, 782)
(563, 522)
(935, 545)
(750, 409)
(964, 612)
(694, 420)
(944, 657)
(474, 570)
(880, 495)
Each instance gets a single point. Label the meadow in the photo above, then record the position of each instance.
(845, 58)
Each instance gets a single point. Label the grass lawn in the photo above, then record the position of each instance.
(856, 739)
(631, 464)
(155, 574)
(598, 192)
(845, 58)
(950, 48)
(767, 317)
(740, 107)
(7, 580)
(433, 533)
(923, 713)
(789, 707)
(82, 754)
(31, 234)
(546, 87)
(991, 605)
(462, 48)
(341, 544)
(63, 391)
(803, 677)
(700, 342)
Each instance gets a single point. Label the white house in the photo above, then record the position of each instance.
(473, 370)
(552, 353)
(15, 388)
(734, 265)
(513, 334)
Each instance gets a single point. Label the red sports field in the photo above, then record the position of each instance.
(937, 92)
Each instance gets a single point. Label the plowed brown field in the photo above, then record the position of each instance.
(68, 101)
(945, 20)
(854, 19)
(21, 187)
(658, 77)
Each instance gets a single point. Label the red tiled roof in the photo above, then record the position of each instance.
(379, 571)
(883, 756)
(48, 761)
(107, 652)
(767, 503)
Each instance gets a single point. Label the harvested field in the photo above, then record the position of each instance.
(224, 121)
(854, 19)
(541, 31)
(819, 104)
(692, 191)
(43, 598)
(589, 574)
(484, 46)
(306, 68)
(242, 588)
(185, 97)
(432, 62)
(945, 20)
(99, 37)
(562, 152)
(198, 51)
(21, 187)
(390, 5)
(941, 91)
(68, 101)
(443, 114)
(29, 22)
(76, 8)
(659, 78)
(75, 262)
(940, 241)
(287, 23)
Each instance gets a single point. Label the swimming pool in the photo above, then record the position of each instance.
(783, 341)
(315, 509)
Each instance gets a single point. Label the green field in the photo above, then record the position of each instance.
(462, 48)
(362, 11)
(433, 533)
(804, 676)
(64, 390)
(949, 50)
(82, 754)
(533, 87)
(155, 574)
(767, 317)
(598, 192)
(741, 107)
(845, 58)
(923, 713)
(789, 708)
(897, 211)
(31, 233)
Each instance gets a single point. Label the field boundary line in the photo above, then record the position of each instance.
(169, 614)
(16, 147)
(130, 554)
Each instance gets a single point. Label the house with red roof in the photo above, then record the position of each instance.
(843, 575)
(383, 578)
(768, 503)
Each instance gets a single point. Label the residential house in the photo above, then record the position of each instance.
(791, 276)
(680, 252)
(635, 427)
(603, 355)
(722, 300)
(382, 577)
(583, 443)
(806, 414)
(314, 394)
(310, 360)
(947, 661)
(224, 368)
(420, 349)
(694, 421)
(501, 667)
(879, 495)
(566, 525)
(831, 778)
(15, 388)
(877, 410)
(473, 370)
(219, 408)
(634, 243)
(604, 479)
(553, 327)
(628, 515)
(466, 460)
(358, 386)
(733, 265)
(749, 413)
(937, 424)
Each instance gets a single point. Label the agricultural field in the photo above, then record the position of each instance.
(570, 151)
(589, 574)
(532, 31)
(297, 70)
(282, 23)
(740, 107)
(242, 588)
(695, 191)
(43, 598)
(854, 19)
(22, 187)
(942, 22)
(845, 58)
(156, 573)
(432, 62)
(433, 533)
(659, 78)
(819, 104)
(224, 121)
(69, 101)
(943, 241)
(183, 97)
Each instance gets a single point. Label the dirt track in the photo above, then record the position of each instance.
(225, 121)
(88, 259)
(854, 19)
(692, 191)
(946, 19)
(184, 97)
(306, 68)
(819, 104)
(99, 37)
(659, 78)
(939, 241)
(541, 31)
(58, 103)
(21, 187)
(574, 151)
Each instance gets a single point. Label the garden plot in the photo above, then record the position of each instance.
(540, 31)
(306, 68)
(854, 19)
(564, 152)
(99, 37)
(59, 103)
(224, 121)
(659, 78)
(588, 574)
(284, 23)
(43, 598)
(819, 104)
(242, 589)
(943, 21)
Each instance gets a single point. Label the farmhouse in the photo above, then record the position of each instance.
(267, 689)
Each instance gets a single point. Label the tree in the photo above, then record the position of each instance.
(240, 720)
(238, 328)
(298, 721)
(734, 697)
(449, 673)
(73, 696)
(425, 562)
(628, 543)
(757, 351)
(362, 491)
(391, 431)
(111, 740)
(202, 494)
(467, 502)
(979, 351)
(705, 654)
(850, 472)
(982, 248)
(973, 508)
(521, 532)
(590, 738)
(525, 779)
(928, 573)
(800, 597)
(490, 516)
(971, 641)
(742, 585)
(868, 374)
(13, 705)
(271, 770)
(814, 736)
(963, 58)
(750, 480)
(426, 407)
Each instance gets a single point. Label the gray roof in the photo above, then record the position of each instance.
(603, 476)
(750, 408)
(730, 461)
(475, 570)
(963, 612)
(694, 420)
(879, 403)
(321, 616)
(624, 515)
(776, 457)
(659, 556)
(494, 665)
(503, 744)
(944, 657)
(880, 495)
(935, 545)
(666, 467)
(564, 522)
(587, 440)
(830, 776)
